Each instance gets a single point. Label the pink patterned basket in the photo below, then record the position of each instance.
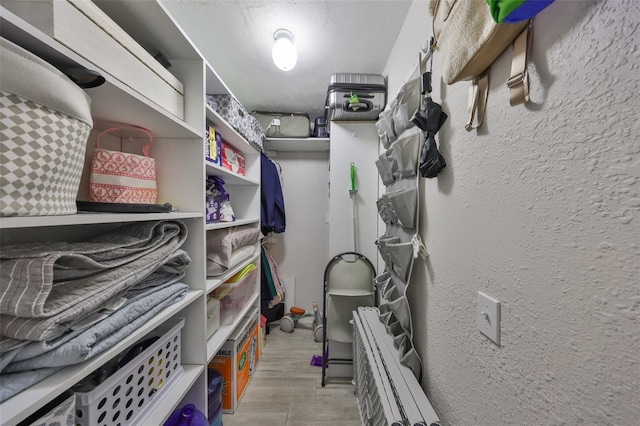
(118, 177)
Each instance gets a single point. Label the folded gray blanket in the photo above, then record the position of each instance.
(22, 373)
(49, 286)
(169, 273)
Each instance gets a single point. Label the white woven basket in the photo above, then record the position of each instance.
(45, 120)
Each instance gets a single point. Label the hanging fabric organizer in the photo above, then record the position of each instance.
(398, 207)
(387, 367)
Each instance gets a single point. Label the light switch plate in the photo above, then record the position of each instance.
(489, 317)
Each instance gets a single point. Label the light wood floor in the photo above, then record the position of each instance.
(287, 391)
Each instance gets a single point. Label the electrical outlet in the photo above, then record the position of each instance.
(489, 317)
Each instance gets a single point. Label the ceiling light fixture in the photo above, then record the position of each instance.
(284, 52)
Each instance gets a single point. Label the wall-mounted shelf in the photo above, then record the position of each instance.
(229, 177)
(237, 222)
(82, 218)
(297, 144)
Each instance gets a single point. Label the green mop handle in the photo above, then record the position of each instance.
(353, 176)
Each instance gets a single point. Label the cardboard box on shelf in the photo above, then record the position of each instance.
(262, 332)
(232, 159)
(236, 361)
(212, 146)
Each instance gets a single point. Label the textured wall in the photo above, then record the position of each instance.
(541, 210)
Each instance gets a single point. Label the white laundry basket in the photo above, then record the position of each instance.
(45, 120)
(128, 395)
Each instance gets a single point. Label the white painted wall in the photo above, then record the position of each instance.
(355, 142)
(302, 251)
(541, 210)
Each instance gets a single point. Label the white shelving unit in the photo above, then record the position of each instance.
(297, 144)
(28, 401)
(86, 218)
(230, 177)
(237, 222)
(244, 192)
(181, 169)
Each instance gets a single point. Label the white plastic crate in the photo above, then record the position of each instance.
(59, 412)
(127, 396)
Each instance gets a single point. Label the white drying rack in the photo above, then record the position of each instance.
(388, 392)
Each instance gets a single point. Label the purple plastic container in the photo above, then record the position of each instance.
(187, 416)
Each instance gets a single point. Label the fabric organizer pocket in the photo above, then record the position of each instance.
(382, 244)
(398, 333)
(397, 282)
(409, 99)
(403, 156)
(402, 312)
(408, 355)
(400, 160)
(395, 330)
(384, 210)
(399, 207)
(385, 170)
(384, 125)
(385, 314)
(399, 337)
(396, 302)
(401, 256)
(403, 204)
(409, 358)
(382, 282)
(391, 293)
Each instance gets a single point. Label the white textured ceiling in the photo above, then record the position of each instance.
(331, 36)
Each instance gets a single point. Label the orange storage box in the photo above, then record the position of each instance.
(236, 362)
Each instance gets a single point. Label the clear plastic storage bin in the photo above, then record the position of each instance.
(235, 296)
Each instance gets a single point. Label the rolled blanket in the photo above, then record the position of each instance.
(35, 304)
